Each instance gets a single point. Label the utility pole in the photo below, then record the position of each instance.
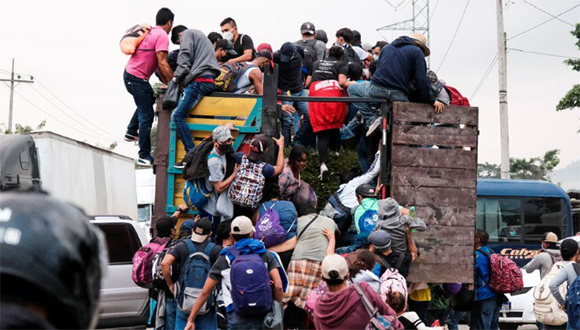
(503, 105)
(12, 86)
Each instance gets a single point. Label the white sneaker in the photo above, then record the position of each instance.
(324, 173)
(376, 124)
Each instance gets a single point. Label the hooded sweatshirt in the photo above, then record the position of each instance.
(393, 222)
(345, 310)
(543, 261)
(369, 278)
(196, 58)
(401, 62)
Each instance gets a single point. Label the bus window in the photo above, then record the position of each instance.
(542, 215)
(501, 218)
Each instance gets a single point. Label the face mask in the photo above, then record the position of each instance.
(226, 148)
(228, 35)
(376, 57)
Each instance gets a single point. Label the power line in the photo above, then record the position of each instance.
(69, 116)
(544, 54)
(56, 118)
(71, 109)
(484, 77)
(536, 26)
(454, 35)
(547, 13)
(434, 9)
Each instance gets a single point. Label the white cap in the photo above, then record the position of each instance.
(242, 225)
(334, 262)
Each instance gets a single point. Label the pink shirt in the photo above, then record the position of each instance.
(143, 62)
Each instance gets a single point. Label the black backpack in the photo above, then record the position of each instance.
(309, 52)
(196, 161)
(350, 55)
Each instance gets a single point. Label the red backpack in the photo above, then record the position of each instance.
(506, 276)
(142, 273)
(456, 97)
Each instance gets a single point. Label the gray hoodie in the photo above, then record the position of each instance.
(370, 278)
(196, 58)
(566, 274)
(543, 261)
(395, 224)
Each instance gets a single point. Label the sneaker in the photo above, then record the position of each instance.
(324, 173)
(376, 124)
(131, 138)
(179, 165)
(145, 161)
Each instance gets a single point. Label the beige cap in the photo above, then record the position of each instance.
(551, 238)
(334, 262)
(421, 41)
(242, 225)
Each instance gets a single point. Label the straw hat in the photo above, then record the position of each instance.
(421, 41)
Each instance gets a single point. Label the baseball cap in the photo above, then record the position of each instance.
(381, 240)
(366, 190)
(201, 228)
(287, 52)
(242, 225)
(307, 27)
(226, 45)
(264, 46)
(264, 53)
(257, 147)
(186, 227)
(569, 247)
(221, 134)
(550, 237)
(335, 264)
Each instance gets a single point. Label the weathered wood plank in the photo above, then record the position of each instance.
(451, 255)
(440, 136)
(424, 113)
(434, 215)
(441, 273)
(426, 157)
(433, 177)
(445, 236)
(427, 196)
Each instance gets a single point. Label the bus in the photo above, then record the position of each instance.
(516, 213)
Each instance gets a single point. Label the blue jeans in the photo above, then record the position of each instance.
(170, 312)
(485, 314)
(202, 322)
(190, 96)
(454, 318)
(368, 89)
(304, 135)
(142, 119)
(251, 325)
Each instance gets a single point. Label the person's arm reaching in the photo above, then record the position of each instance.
(280, 162)
(164, 68)
(411, 245)
(329, 233)
(286, 246)
(308, 81)
(278, 289)
(166, 270)
(184, 58)
(343, 81)
(202, 299)
(369, 175)
(533, 265)
(256, 79)
(246, 57)
(223, 185)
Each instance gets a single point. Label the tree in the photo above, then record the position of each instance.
(536, 168)
(22, 129)
(572, 98)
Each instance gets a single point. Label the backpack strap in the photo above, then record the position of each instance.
(308, 225)
(576, 268)
(368, 306)
(400, 261)
(208, 248)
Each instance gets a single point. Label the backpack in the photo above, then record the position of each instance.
(350, 55)
(229, 75)
(506, 276)
(250, 279)
(392, 280)
(158, 281)
(456, 97)
(196, 161)
(309, 54)
(546, 307)
(268, 228)
(195, 193)
(192, 278)
(142, 272)
(133, 38)
(248, 186)
(573, 301)
(367, 221)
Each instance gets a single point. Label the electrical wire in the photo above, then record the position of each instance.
(484, 77)
(547, 13)
(544, 54)
(454, 35)
(538, 25)
(434, 10)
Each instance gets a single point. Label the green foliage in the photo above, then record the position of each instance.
(346, 161)
(21, 129)
(572, 98)
(536, 168)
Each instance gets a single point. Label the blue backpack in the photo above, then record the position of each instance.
(251, 291)
(195, 193)
(368, 220)
(573, 300)
(192, 278)
(269, 229)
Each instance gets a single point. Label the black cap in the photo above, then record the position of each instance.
(321, 35)
(287, 52)
(264, 53)
(201, 228)
(226, 45)
(569, 246)
(381, 44)
(307, 27)
(366, 190)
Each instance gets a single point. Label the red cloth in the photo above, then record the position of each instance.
(327, 115)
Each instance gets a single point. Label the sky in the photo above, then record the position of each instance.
(71, 49)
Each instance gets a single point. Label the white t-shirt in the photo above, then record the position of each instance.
(362, 54)
(244, 80)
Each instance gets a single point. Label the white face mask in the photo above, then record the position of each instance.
(376, 57)
(228, 35)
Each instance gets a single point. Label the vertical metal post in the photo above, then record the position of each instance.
(270, 111)
(503, 105)
(385, 161)
(161, 161)
(10, 111)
